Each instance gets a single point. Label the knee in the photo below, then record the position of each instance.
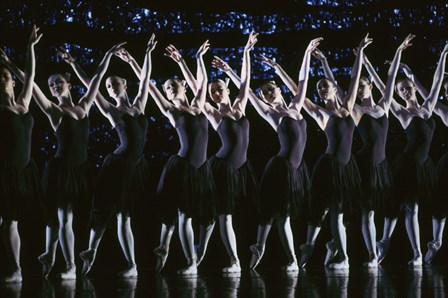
(9, 225)
(411, 210)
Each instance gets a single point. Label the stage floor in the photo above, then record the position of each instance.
(387, 281)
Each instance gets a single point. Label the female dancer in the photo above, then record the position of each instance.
(414, 171)
(335, 180)
(122, 177)
(233, 174)
(186, 185)
(285, 179)
(19, 177)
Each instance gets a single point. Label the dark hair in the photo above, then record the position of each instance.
(365, 79)
(267, 82)
(65, 75)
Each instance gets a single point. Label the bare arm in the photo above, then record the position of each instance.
(327, 70)
(373, 74)
(287, 80)
(124, 55)
(199, 99)
(172, 52)
(408, 72)
(142, 95)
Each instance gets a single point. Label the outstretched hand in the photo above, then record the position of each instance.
(115, 48)
(34, 37)
(251, 41)
(364, 43)
(123, 54)
(203, 49)
(318, 54)
(406, 42)
(173, 53)
(268, 61)
(220, 64)
(314, 43)
(65, 55)
(151, 43)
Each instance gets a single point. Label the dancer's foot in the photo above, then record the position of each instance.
(332, 251)
(69, 274)
(87, 257)
(291, 267)
(306, 250)
(161, 253)
(382, 247)
(15, 277)
(373, 263)
(340, 265)
(233, 268)
(433, 249)
(416, 261)
(47, 262)
(257, 254)
(199, 249)
(129, 273)
(192, 269)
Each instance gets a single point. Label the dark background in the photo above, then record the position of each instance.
(89, 28)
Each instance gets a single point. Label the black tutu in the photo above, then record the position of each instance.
(233, 184)
(440, 199)
(188, 189)
(122, 183)
(333, 186)
(283, 188)
(414, 182)
(20, 189)
(65, 186)
(376, 183)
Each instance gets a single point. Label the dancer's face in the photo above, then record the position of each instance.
(406, 89)
(364, 89)
(6, 81)
(173, 88)
(115, 86)
(326, 89)
(219, 92)
(58, 85)
(270, 92)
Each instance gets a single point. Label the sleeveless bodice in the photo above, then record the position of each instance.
(15, 134)
(373, 132)
(292, 137)
(73, 137)
(132, 133)
(419, 135)
(339, 133)
(193, 136)
(234, 135)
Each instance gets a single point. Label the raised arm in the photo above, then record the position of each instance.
(287, 80)
(431, 100)
(299, 98)
(172, 52)
(409, 74)
(142, 95)
(327, 70)
(373, 74)
(24, 97)
(124, 55)
(350, 98)
(241, 100)
(200, 93)
(398, 110)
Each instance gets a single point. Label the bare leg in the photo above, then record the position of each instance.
(126, 238)
(67, 242)
(287, 239)
(413, 230)
(162, 250)
(306, 250)
(48, 257)
(369, 234)
(186, 236)
(382, 246)
(229, 240)
(205, 231)
(88, 256)
(438, 225)
(11, 239)
(340, 239)
(258, 249)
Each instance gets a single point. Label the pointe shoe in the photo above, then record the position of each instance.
(331, 252)
(87, 257)
(70, 274)
(382, 247)
(373, 263)
(192, 269)
(161, 254)
(129, 273)
(416, 261)
(433, 249)
(15, 277)
(233, 268)
(342, 265)
(291, 267)
(257, 254)
(306, 250)
(47, 262)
